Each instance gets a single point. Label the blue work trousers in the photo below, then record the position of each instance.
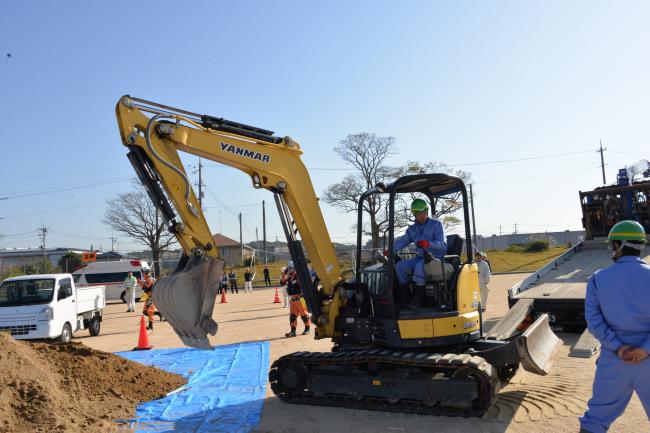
(613, 386)
(413, 266)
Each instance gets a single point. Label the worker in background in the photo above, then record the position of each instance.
(483, 278)
(248, 281)
(297, 303)
(223, 284)
(267, 277)
(617, 309)
(232, 277)
(427, 234)
(285, 295)
(149, 309)
(129, 286)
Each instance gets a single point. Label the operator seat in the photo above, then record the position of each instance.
(454, 245)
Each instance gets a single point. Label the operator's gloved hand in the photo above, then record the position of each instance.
(386, 253)
(423, 244)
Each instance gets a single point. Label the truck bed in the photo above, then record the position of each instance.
(559, 289)
(90, 298)
(565, 278)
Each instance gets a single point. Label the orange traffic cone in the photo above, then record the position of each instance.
(143, 339)
(223, 297)
(276, 300)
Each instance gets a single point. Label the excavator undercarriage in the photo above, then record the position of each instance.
(455, 381)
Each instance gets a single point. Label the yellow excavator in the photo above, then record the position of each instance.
(433, 359)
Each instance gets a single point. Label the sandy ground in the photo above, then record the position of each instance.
(528, 404)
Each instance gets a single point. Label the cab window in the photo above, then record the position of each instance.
(65, 289)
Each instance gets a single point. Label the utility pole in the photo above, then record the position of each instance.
(471, 200)
(264, 231)
(499, 229)
(602, 160)
(200, 183)
(42, 233)
(113, 243)
(241, 241)
(515, 227)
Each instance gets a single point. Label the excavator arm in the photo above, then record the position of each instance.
(154, 134)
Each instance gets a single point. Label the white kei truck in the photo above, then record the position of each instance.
(49, 306)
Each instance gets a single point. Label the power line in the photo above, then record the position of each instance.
(60, 232)
(62, 189)
(54, 210)
(31, 232)
(233, 205)
(536, 176)
(555, 155)
(58, 175)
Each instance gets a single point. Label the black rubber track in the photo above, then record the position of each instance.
(484, 374)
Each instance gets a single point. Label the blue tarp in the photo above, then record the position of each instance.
(224, 393)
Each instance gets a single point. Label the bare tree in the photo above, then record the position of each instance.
(133, 214)
(366, 152)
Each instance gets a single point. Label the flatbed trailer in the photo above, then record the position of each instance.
(558, 289)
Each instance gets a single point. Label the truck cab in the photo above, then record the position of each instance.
(49, 306)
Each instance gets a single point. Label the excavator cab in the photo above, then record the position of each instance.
(449, 311)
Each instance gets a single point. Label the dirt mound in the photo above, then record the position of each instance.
(70, 387)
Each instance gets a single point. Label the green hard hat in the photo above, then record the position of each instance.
(627, 230)
(419, 205)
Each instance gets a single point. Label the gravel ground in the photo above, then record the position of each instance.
(528, 404)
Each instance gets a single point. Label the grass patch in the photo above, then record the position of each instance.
(520, 261)
(500, 261)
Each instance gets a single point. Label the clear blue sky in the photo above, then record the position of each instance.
(455, 82)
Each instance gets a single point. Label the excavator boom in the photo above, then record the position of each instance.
(154, 134)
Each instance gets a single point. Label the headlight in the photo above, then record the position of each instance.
(46, 314)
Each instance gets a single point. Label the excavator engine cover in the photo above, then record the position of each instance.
(186, 299)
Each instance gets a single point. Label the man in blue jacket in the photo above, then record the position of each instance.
(428, 235)
(617, 309)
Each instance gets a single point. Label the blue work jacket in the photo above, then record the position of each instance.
(431, 231)
(617, 306)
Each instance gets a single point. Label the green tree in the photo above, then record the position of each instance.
(70, 262)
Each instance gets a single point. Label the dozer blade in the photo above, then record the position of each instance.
(537, 347)
(186, 299)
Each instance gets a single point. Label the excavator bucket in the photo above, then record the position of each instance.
(538, 346)
(186, 299)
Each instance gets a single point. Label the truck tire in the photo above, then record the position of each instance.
(123, 296)
(66, 334)
(94, 326)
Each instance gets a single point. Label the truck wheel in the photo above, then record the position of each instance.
(94, 326)
(66, 334)
(123, 296)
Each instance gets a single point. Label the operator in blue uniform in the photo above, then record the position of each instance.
(427, 234)
(617, 309)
